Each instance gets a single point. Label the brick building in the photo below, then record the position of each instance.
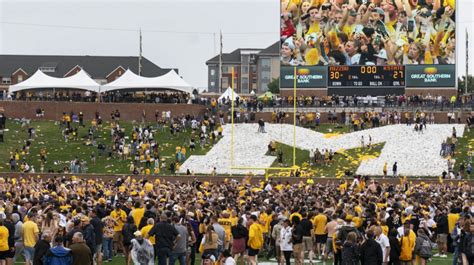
(103, 69)
(253, 69)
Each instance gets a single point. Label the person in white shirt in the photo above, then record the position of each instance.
(384, 244)
(285, 241)
(226, 258)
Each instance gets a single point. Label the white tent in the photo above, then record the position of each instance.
(81, 80)
(228, 95)
(130, 80)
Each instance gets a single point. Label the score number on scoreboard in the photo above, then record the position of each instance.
(367, 76)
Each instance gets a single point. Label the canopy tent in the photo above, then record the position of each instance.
(130, 80)
(81, 80)
(228, 95)
(268, 95)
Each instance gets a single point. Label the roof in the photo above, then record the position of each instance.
(234, 57)
(226, 57)
(97, 66)
(273, 49)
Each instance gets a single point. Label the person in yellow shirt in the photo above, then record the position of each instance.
(149, 225)
(30, 237)
(452, 220)
(295, 212)
(407, 245)
(119, 217)
(255, 241)
(3, 241)
(226, 223)
(319, 224)
(137, 213)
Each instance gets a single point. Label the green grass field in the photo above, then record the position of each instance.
(59, 152)
(49, 136)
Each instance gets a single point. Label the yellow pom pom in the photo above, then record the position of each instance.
(312, 57)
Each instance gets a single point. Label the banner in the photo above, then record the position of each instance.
(308, 77)
(430, 75)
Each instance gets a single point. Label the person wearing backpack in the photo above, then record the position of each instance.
(350, 252)
(423, 247)
(466, 245)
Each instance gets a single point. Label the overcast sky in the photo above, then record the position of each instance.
(176, 33)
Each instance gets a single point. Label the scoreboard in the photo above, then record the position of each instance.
(366, 76)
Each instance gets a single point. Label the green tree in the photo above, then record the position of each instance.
(274, 86)
(470, 84)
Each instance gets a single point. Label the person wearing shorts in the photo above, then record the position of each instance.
(252, 252)
(319, 224)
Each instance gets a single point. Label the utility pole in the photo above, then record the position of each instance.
(467, 63)
(220, 64)
(140, 55)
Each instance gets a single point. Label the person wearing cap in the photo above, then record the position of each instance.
(88, 233)
(58, 254)
(142, 252)
(226, 223)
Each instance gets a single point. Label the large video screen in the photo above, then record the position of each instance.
(367, 32)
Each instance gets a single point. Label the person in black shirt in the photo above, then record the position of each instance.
(371, 252)
(442, 232)
(128, 230)
(166, 236)
(307, 227)
(395, 248)
(8, 223)
(297, 239)
(98, 229)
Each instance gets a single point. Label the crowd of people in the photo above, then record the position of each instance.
(397, 32)
(72, 220)
(88, 96)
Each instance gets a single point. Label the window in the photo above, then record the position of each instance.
(213, 72)
(266, 64)
(20, 78)
(213, 84)
(47, 69)
(225, 69)
(245, 84)
(266, 75)
(245, 59)
(245, 69)
(225, 82)
(6, 81)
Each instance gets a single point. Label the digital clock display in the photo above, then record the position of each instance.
(366, 76)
